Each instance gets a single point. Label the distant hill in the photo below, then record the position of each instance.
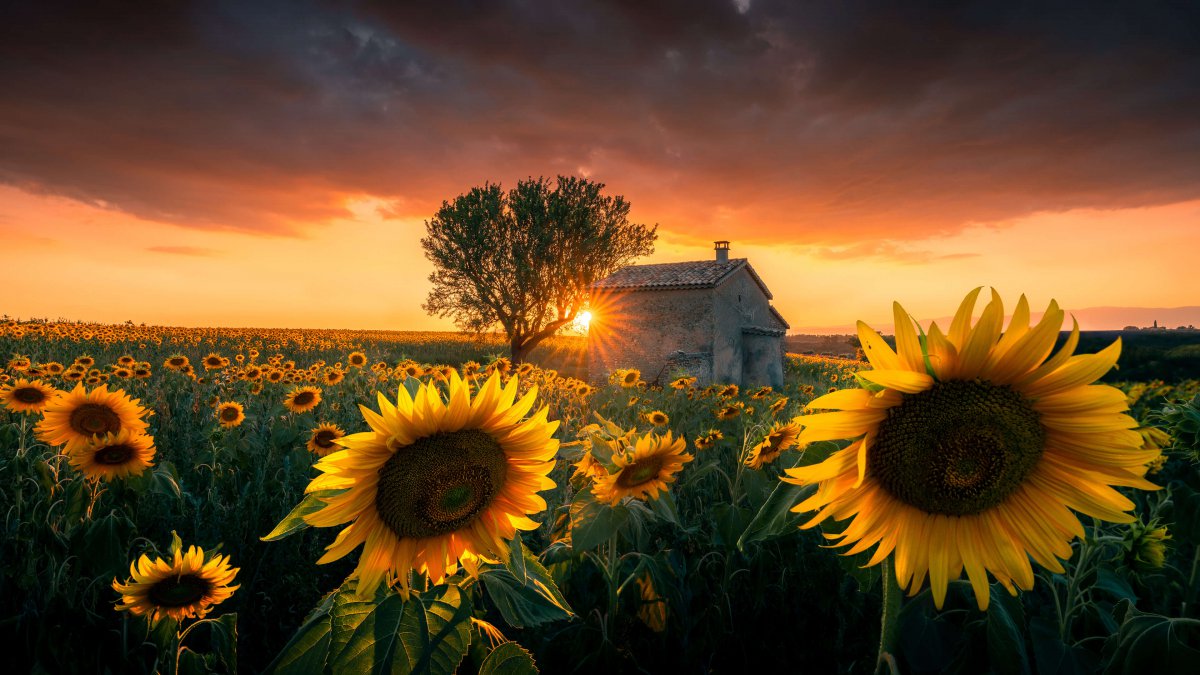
(1090, 318)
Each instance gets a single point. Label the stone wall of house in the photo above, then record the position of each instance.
(646, 329)
(762, 360)
(739, 302)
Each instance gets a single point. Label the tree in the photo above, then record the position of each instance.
(524, 259)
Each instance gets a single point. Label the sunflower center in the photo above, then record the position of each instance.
(303, 398)
(93, 418)
(440, 483)
(113, 455)
(324, 438)
(958, 448)
(179, 591)
(640, 472)
(229, 414)
(29, 395)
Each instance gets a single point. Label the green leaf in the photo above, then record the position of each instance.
(1150, 643)
(535, 602)
(434, 634)
(729, 523)
(224, 640)
(1113, 584)
(165, 481)
(106, 543)
(308, 649)
(294, 521)
(176, 544)
(1006, 635)
(1051, 655)
(776, 518)
(508, 658)
(593, 523)
(373, 642)
(516, 558)
(346, 615)
(664, 507)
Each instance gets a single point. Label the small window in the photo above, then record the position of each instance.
(739, 297)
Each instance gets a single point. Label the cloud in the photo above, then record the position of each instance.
(887, 251)
(821, 125)
(185, 250)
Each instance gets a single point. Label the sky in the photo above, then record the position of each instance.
(274, 163)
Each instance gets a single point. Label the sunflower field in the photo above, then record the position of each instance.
(975, 499)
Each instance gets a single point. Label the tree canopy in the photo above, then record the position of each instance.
(523, 259)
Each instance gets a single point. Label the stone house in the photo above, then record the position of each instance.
(712, 319)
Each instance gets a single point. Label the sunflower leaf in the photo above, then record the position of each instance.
(775, 518)
(533, 602)
(1151, 643)
(593, 523)
(308, 650)
(509, 658)
(294, 521)
(434, 634)
(515, 564)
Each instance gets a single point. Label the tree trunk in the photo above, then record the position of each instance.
(518, 349)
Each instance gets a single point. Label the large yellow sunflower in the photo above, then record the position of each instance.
(186, 587)
(302, 399)
(972, 452)
(434, 479)
(27, 396)
(119, 455)
(71, 419)
(645, 470)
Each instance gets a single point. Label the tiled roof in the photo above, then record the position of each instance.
(674, 276)
(777, 315)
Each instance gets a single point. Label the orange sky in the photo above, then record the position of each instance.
(65, 258)
(272, 164)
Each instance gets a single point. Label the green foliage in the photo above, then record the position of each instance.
(508, 658)
(524, 259)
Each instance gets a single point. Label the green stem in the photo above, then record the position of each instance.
(1191, 584)
(611, 578)
(889, 627)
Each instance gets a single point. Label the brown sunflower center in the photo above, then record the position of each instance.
(324, 438)
(94, 418)
(958, 448)
(640, 472)
(177, 361)
(113, 455)
(440, 483)
(303, 398)
(29, 395)
(179, 591)
(229, 414)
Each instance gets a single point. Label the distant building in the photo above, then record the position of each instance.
(711, 319)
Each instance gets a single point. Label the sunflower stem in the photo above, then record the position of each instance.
(889, 627)
(1191, 584)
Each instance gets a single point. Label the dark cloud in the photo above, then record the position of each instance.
(818, 123)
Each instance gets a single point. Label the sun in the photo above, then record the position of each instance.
(583, 320)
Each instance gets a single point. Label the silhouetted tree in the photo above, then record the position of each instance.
(524, 259)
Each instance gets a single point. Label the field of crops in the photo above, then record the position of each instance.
(208, 438)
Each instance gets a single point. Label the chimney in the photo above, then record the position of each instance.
(722, 249)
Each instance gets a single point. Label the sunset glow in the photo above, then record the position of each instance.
(294, 190)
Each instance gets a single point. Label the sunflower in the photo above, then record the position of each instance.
(357, 359)
(214, 361)
(302, 399)
(27, 396)
(176, 362)
(114, 455)
(85, 361)
(658, 418)
(126, 361)
(972, 452)
(71, 419)
(53, 368)
(323, 436)
(230, 414)
(582, 389)
(434, 479)
(643, 471)
(629, 378)
(187, 587)
(252, 373)
(728, 391)
(274, 375)
(683, 383)
(707, 440)
(728, 412)
(778, 406)
(333, 376)
(781, 437)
